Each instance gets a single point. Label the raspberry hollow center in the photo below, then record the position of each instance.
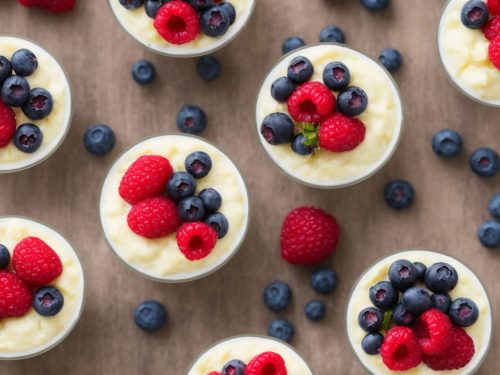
(196, 243)
(401, 352)
(268, 369)
(308, 107)
(176, 24)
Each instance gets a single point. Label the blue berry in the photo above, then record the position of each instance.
(48, 301)
(372, 342)
(277, 128)
(211, 199)
(28, 138)
(191, 119)
(441, 278)
(181, 185)
(402, 274)
(292, 43)
(39, 104)
(399, 194)
(281, 329)
(191, 209)
(15, 91)
(484, 162)
(324, 281)
(299, 147)
(24, 62)
(200, 4)
(421, 269)
(375, 5)
(336, 76)
(208, 68)
(352, 101)
(4, 256)
(277, 296)
(282, 88)
(332, 33)
(416, 300)
(494, 206)
(447, 143)
(131, 4)
(384, 295)
(300, 70)
(371, 319)
(143, 72)
(474, 14)
(463, 312)
(5, 69)
(150, 315)
(402, 317)
(489, 234)
(315, 310)
(219, 222)
(153, 6)
(99, 139)
(198, 164)
(391, 58)
(215, 21)
(234, 367)
(230, 10)
(441, 301)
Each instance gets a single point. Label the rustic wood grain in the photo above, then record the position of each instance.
(63, 191)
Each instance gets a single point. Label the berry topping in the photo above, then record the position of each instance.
(131, 4)
(402, 274)
(150, 315)
(474, 14)
(229, 8)
(152, 7)
(198, 164)
(215, 21)
(277, 128)
(484, 161)
(311, 102)
(277, 296)
(400, 350)
(201, 4)
(191, 119)
(494, 206)
(15, 296)
(441, 301)
(99, 139)
(399, 194)
(214, 373)
(181, 185)
(416, 300)
(154, 217)
(39, 104)
(300, 147)
(5, 69)
(421, 269)
(336, 76)
(234, 367)
(211, 199)
(463, 312)
(375, 5)
(494, 52)
(441, 278)
(24, 62)
(4, 257)
(143, 72)
(308, 236)
(391, 59)
(332, 34)
(208, 68)
(494, 7)
(219, 222)
(300, 70)
(447, 143)
(292, 43)
(7, 124)
(372, 342)
(492, 29)
(433, 331)
(352, 101)
(177, 22)
(340, 133)
(28, 138)
(371, 319)
(15, 91)
(489, 234)
(191, 209)
(324, 281)
(145, 178)
(48, 301)
(282, 88)
(281, 329)
(268, 363)
(315, 310)
(402, 317)
(383, 295)
(196, 240)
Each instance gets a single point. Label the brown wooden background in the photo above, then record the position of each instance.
(63, 191)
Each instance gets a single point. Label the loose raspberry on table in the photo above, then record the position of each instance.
(492, 29)
(54, 6)
(433, 331)
(15, 295)
(400, 350)
(196, 240)
(338, 133)
(311, 102)
(177, 22)
(267, 363)
(154, 217)
(494, 52)
(7, 124)
(494, 7)
(308, 236)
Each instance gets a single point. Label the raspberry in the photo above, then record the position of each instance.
(196, 240)
(400, 350)
(456, 356)
(339, 133)
(35, 262)
(54, 6)
(145, 178)
(494, 7)
(7, 124)
(15, 296)
(492, 29)
(494, 52)
(433, 330)
(154, 217)
(267, 363)
(177, 22)
(308, 236)
(311, 102)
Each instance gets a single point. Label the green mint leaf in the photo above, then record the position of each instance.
(387, 320)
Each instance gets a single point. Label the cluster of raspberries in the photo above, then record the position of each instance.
(264, 363)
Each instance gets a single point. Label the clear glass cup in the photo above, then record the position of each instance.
(149, 38)
(481, 331)
(38, 227)
(194, 275)
(292, 172)
(49, 146)
(256, 342)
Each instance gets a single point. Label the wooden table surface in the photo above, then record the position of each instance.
(63, 192)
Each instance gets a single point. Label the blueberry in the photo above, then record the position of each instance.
(463, 312)
(211, 199)
(324, 281)
(15, 91)
(375, 5)
(281, 329)
(402, 274)
(489, 234)
(474, 14)
(191, 119)
(399, 194)
(315, 310)
(416, 300)
(28, 138)
(191, 209)
(201, 4)
(447, 143)
(99, 139)
(282, 88)
(336, 76)
(215, 21)
(277, 296)
(352, 101)
(292, 43)
(4, 256)
(372, 342)
(484, 162)
(421, 268)
(234, 367)
(441, 278)
(131, 4)
(219, 222)
(300, 70)
(208, 67)
(39, 104)
(332, 33)
(181, 185)
(48, 301)
(153, 6)
(299, 147)
(24, 62)
(277, 128)
(402, 317)
(230, 10)
(391, 58)
(150, 315)
(371, 319)
(383, 295)
(441, 301)
(494, 206)
(198, 164)
(5, 69)
(143, 72)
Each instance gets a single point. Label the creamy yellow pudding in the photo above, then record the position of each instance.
(33, 333)
(245, 348)
(50, 76)
(161, 258)
(382, 118)
(140, 26)
(468, 286)
(464, 53)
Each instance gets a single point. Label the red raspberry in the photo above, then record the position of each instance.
(400, 350)
(177, 22)
(433, 330)
(54, 6)
(196, 240)
(308, 236)
(267, 363)
(35, 262)
(492, 29)
(494, 7)
(311, 102)
(154, 217)
(459, 353)
(7, 124)
(15, 296)
(339, 133)
(494, 52)
(145, 178)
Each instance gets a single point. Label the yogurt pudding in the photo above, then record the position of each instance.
(468, 286)
(245, 348)
(140, 27)
(33, 334)
(160, 258)
(464, 55)
(54, 127)
(382, 118)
